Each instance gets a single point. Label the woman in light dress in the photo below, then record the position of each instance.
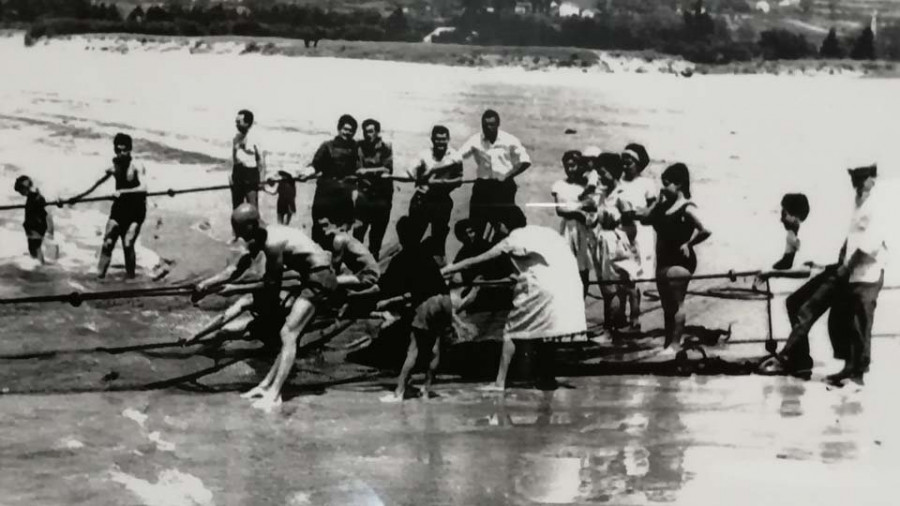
(571, 207)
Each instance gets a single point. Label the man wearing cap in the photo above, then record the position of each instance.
(499, 157)
(849, 288)
(284, 249)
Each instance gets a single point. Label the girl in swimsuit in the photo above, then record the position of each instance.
(678, 230)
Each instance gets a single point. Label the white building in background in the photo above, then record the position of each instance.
(568, 10)
(763, 6)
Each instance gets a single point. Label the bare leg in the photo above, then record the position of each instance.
(432, 367)
(270, 395)
(509, 349)
(634, 294)
(676, 290)
(129, 238)
(219, 322)
(412, 354)
(106, 249)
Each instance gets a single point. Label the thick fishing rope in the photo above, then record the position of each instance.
(200, 189)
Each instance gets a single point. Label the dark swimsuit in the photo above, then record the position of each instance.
(672, 231)
(128, 208)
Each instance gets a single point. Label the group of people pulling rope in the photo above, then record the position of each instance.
(613, 221)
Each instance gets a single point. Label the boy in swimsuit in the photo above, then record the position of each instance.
(129, 209)
(38, 222)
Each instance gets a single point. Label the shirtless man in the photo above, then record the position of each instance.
(362, 280)
(284, 249)
(129, 209)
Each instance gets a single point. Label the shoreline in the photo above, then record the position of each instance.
(528, 58)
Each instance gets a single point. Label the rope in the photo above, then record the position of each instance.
(200, 189)
(249, 286)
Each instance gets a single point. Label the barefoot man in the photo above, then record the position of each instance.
(284, 249)
(129, 209)
(548, 298)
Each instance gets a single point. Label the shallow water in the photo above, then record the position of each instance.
(625, 440)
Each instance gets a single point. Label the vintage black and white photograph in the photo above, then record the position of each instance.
(449, 252)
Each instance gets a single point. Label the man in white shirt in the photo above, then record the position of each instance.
(548, 299)
(848, 288)
(437, 172)
(499, 157)
(861, 269)
(249, 163)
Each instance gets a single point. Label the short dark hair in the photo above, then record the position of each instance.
(572, 154)
(122, 139)
(459, 230)
(515, 218)
(347, 119)
(440, 130)
(612, 163)
(20, 182)
(405, 231)
(643, 157)
(796, 204)
(679, 174)
(373, 122)
(248, 116)
(490, 113)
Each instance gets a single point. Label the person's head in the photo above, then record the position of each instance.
(571, 161)
(610, 169)
(676, 179)
(23, 185)
(609, 219)
(440, 138)
(634, 160)
(122, 147)
(243, 121)
(246, 222)
(371, 130)
(863, 178)
(794, 210)
(490, 123)
(465, 232)
(347, 126)
(405, 233)
(513, 219)
(333, 225)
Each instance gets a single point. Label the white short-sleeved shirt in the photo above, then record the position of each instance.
(548, 295)
(868, 234)
(568, 194)
(638, 191)
(443, 169)
(495, 159)
(245, 150)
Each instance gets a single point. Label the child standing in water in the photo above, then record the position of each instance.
(619, 266)
(286, 189)
(38, 222)
(574, 227)
(678, 230)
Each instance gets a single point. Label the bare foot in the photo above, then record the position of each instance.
(255, 393)
(267, 403)
(493, 387)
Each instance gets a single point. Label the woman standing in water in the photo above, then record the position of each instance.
(678, 230)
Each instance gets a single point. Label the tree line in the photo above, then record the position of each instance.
(694, 33)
